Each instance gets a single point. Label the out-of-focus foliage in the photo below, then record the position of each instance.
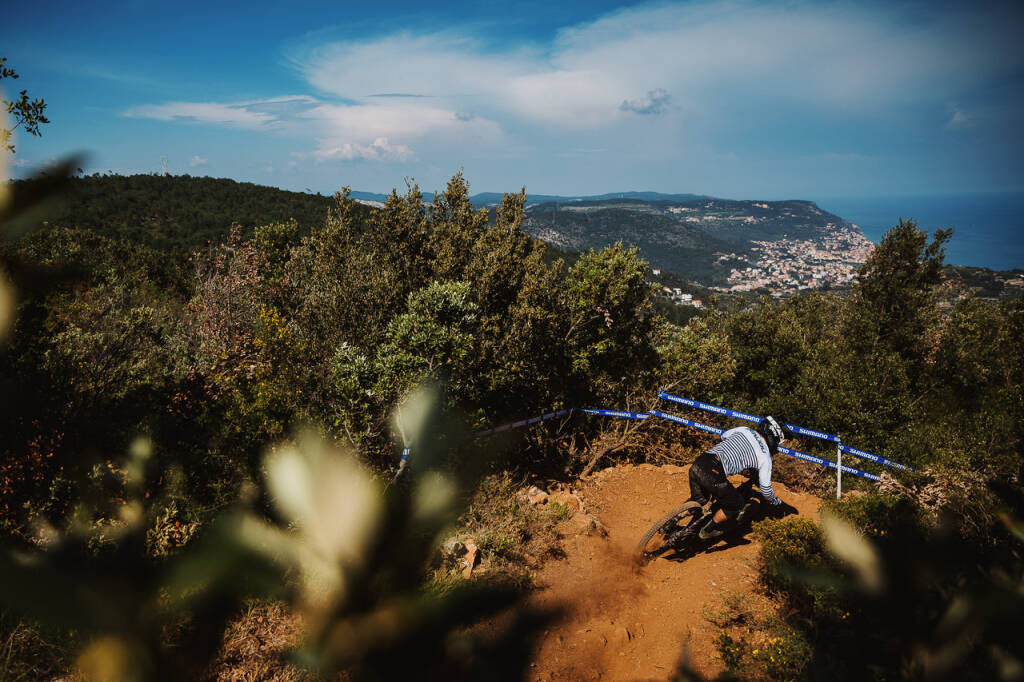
(349, 557)
(883, 590)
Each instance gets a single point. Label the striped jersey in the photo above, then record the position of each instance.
(743, 448)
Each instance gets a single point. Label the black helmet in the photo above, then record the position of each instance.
(773, 432)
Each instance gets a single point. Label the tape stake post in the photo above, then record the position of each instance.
(839, 472)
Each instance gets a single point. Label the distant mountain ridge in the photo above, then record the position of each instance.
(494, 198)
(491, 199)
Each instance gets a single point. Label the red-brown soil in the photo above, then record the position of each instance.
(626, 621)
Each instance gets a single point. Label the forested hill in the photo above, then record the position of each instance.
(684, 235)
(180, 213)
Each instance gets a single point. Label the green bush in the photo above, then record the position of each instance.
(783, 656)
(786, 543)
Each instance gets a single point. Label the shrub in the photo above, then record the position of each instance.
(783, 656)
(786, 543)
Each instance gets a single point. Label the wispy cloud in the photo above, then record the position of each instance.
(251, 115)
(396, 94)
(656, 102)
(960, 119)
(197, 161)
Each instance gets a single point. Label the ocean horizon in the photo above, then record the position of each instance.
(988, 229)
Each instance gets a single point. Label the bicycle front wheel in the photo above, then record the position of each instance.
(653, 539)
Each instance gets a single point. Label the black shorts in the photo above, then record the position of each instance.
(708, 482)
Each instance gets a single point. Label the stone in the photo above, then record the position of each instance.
(453, 547)
(568, 500)
(471, 559)
(536, 496)
(586, 524)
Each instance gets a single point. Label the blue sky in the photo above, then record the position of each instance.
(732, 98)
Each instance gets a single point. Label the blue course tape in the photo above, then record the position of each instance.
(820, 435)
(617, 413)
(827, 463)
(522, 422)
(708, 407)
(874, 458)
(697, 425)
(793, 453)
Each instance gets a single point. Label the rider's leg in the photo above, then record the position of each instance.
(701, 475)
(731, 502)
(708, 480)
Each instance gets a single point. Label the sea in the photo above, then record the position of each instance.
(988, 229)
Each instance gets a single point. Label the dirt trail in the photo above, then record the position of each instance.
(630, 622)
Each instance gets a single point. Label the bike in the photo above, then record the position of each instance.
(678, 531)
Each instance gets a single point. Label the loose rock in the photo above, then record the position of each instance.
(586, 524)
(453, 547)
(536, 496)
(567, 499)
(471, 559)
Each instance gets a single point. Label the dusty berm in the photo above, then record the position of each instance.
(629, 620)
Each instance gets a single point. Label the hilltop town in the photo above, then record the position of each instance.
(785, 265)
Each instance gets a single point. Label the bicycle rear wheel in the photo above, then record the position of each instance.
(653, 539)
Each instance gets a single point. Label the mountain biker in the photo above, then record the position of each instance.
(741, 448)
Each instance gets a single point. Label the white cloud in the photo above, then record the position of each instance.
(709, 54)
(379, 150)
(401, 96)
(198, 161)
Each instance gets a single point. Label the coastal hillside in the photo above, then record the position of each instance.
(778, 246)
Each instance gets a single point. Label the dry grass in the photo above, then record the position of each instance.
(512, 535)
(257, 646)
(26, 653)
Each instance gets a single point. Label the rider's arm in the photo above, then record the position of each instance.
(764, 476)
